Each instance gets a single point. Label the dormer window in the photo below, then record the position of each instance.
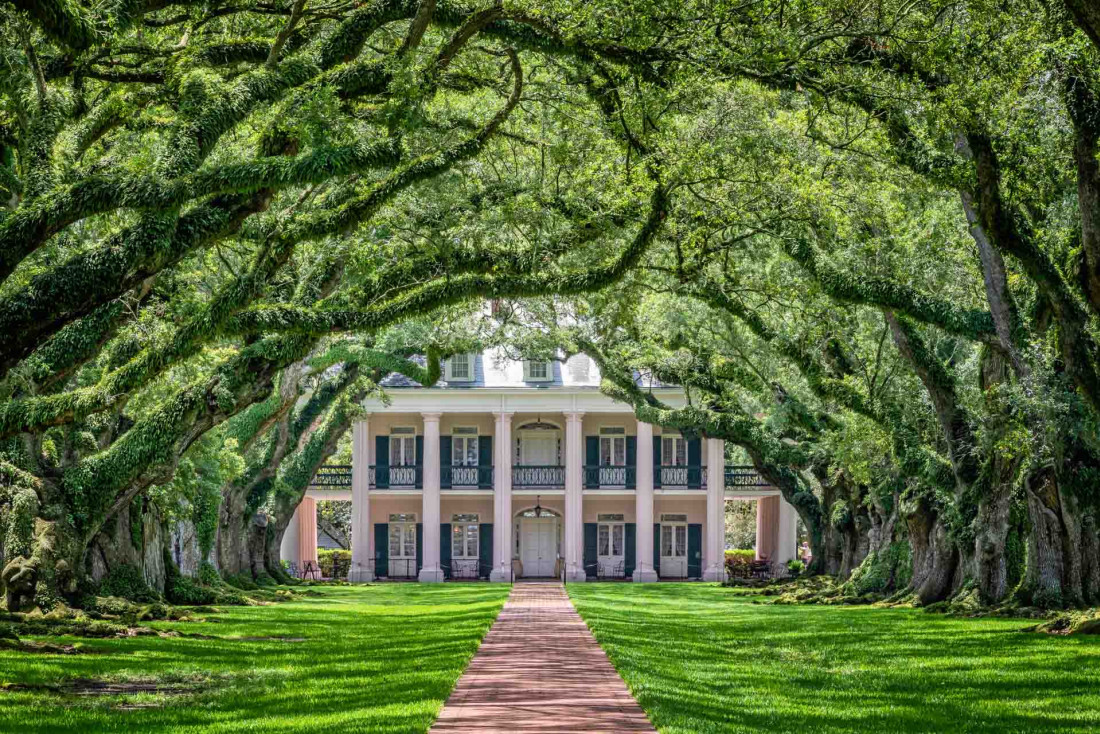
(460, 368)
(537, 371)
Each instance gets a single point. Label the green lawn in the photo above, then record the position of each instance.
(702, 658)
(379, 658)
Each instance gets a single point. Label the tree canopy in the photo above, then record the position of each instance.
(865, 238)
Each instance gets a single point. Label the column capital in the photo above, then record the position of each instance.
(573, 415)
(503, 414)
(432, 417)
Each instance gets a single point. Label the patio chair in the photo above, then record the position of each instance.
(312, 571)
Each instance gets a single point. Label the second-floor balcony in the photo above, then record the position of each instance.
(475, 476)
(482, 476)
(538, 476)
(610, 476)
(680, 476)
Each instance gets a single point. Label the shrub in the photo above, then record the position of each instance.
(127, 582)
(795, 566)
(738, 562)
(325, 558)
(186, 591)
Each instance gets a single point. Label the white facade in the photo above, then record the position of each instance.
(570, 482)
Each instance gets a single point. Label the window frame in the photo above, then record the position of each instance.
(464, 439)
(529, 374)
(469, 362)
(461, 527)
(405, 437)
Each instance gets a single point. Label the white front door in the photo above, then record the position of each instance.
(674, 550)
(609, 549)
(538, 545)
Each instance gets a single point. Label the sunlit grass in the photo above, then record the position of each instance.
(380, 658)
(700, 658)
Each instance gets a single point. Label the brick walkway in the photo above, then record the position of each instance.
(540, 670)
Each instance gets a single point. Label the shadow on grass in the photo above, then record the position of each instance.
(701, 658)
(378, 658)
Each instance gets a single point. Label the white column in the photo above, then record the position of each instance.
(502, 498)
(431, 572)
(574, 497)
(786, 547)
(714, 555)
(643, 507)
(288, 549)
(307, 532)
(361, 554)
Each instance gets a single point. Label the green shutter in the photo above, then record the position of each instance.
(381, 549)
(591, 459)
(484, 462)
(631, 461)
(445, 548)
(485, 549)
(656, 461)
(657, 548)
(382, 462)
(591, 531)
(631, 540)
(695, 459)
(695, 550)
(445, 462)
(419, 482)
(419, 546)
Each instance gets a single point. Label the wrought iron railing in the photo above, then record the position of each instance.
(467, 476)
(464, 568)
(401, 568)
(400, 477)
(690, 476)
(538, 476)
(744, 476)
(333, 475)
(610, 477)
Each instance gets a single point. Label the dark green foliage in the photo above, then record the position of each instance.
(126, 581)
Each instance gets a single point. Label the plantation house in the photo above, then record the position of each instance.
(506, 469)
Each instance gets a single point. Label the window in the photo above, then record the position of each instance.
(537, 371)
(666, 517)
(464, 536)
(613, 446)
(673, 450)
(403, 536)
(674, 541)
(610, 539)
(464, 446)
(460, 368)
(617, 517)
(402, 446)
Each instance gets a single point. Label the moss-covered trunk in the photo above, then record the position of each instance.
(935, 556)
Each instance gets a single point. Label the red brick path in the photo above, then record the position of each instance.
(540, 670)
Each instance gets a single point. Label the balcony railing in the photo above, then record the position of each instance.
(688, 476)
(333, 475)
(744, 476)
(538, 476)
(595, 477)
(400, 477)
(610, 477)
(457, 477)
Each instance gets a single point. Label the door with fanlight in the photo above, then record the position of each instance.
(674, 546)
(538, 546)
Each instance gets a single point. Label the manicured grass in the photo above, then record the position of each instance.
(380, 658)
(703, 658)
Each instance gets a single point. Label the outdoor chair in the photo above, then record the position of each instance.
(761, 569)
(311, 571)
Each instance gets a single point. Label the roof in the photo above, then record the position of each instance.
(493, 370)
